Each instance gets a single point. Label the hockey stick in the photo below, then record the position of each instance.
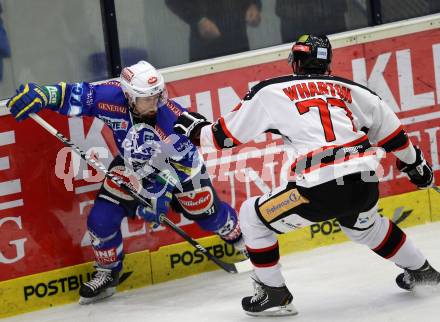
(239, 267)
(436, 188)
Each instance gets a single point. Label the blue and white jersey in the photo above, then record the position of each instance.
(140, 144)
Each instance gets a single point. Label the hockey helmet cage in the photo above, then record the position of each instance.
(141, 80)
(311, 54)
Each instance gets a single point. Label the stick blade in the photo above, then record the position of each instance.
(244, 266)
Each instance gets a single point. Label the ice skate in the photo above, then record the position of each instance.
(424, 276)
(103, 285)
(269, 301)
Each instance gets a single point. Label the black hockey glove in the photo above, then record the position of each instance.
(190, 125)
(419, 173)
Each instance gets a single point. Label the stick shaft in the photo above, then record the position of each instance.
(228, 267)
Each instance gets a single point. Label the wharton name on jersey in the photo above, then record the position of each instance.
(330, 125)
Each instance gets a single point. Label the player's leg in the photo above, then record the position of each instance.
(387, 240)
(103, 224)
(260, 220)
(200, 202)
(283, 210)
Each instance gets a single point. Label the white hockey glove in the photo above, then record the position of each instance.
(190, 125)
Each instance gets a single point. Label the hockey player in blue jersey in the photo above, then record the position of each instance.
(137, 110)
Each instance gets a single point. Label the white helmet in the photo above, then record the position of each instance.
(141, 80)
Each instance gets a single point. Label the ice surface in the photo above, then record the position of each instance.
(345, 282)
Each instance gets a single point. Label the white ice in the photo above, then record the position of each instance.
(344, 282)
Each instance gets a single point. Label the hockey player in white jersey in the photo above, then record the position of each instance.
(331, 123)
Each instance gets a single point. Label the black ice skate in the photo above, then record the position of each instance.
(424, 276)
(102, 285)
(269, 301)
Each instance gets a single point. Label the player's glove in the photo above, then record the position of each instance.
(190, 125)
(420, 172)
(30, 98)
(159, 206)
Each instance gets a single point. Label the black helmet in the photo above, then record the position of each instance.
(311, 55)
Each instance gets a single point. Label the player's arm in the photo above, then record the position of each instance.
(243, 124)
(386, 130)
(68, 99)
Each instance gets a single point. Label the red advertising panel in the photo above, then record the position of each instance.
(46, 194)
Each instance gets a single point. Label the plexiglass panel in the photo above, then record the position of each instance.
(50, 41)
(394, 10)
(173, 32)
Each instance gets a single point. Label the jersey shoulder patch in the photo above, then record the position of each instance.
(112, 83)
(110, 99)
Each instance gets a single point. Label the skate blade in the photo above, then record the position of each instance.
(104, 294)
(426, 289)
(284, 310)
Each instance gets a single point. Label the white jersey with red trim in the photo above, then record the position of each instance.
(327, 121)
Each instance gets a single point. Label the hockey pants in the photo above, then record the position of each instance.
(287, 208)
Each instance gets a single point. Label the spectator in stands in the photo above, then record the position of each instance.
(217, 27)
(300, 17)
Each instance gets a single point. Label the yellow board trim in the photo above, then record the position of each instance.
(181, 260)
(61, 286)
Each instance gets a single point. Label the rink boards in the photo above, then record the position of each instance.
(44, 250)
(143, 268)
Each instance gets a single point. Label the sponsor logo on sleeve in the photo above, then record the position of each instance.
(115, 124)
(113, 83)
(173, 108)
(53, 94)
(113, 108)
